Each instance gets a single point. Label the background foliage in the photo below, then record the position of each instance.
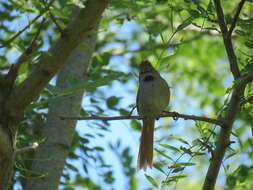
(182, 39)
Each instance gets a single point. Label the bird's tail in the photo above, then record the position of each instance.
(145, 156)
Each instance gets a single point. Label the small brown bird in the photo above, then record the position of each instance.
(152, 98)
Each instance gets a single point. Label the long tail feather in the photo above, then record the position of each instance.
(145, 156)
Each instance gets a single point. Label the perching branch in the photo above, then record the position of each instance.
(33, 147)
(227, 40)
(175, 115)
(238, 10)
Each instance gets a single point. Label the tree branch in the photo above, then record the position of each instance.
(224, 136)
(30, 88)
(175, 115)
(239, 8)
(33, 147)
(227, 40)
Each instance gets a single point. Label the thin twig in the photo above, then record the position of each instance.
(6, 43)
(175, 115)
(31, 47)
(161, 46)
(13, 72)
(239, 8)
(33, 147)
(53, 18)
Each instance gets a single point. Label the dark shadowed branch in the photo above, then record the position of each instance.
(227, 40)
(238, 10)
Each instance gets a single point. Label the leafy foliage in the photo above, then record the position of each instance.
(183, 41)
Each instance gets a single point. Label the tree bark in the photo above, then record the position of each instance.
(6, 158)
(50, 157)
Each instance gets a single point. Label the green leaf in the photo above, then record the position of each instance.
(68, 188)
(186, 150)
(177, 177)
(185, 23)
(185, 164)
(124, 112)
(163, 154)
(170, 147)
(156, 166)
(240, 32)
(180, 139)
(135, 125)
(98, 148)
(73, 168)
(249, 44)
(151, 180)
(112, 101)
(178, 169)
(23, 68)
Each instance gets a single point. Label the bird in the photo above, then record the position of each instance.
(153, 97)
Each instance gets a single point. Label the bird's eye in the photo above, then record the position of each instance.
(148, 78)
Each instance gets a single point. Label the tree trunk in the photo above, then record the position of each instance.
(6, 158)
(50, 157)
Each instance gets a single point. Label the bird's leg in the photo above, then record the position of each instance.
(174, 114)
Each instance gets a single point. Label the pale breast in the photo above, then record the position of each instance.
(153, 96)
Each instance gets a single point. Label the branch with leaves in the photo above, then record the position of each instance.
(30, 88)
(8, 42)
